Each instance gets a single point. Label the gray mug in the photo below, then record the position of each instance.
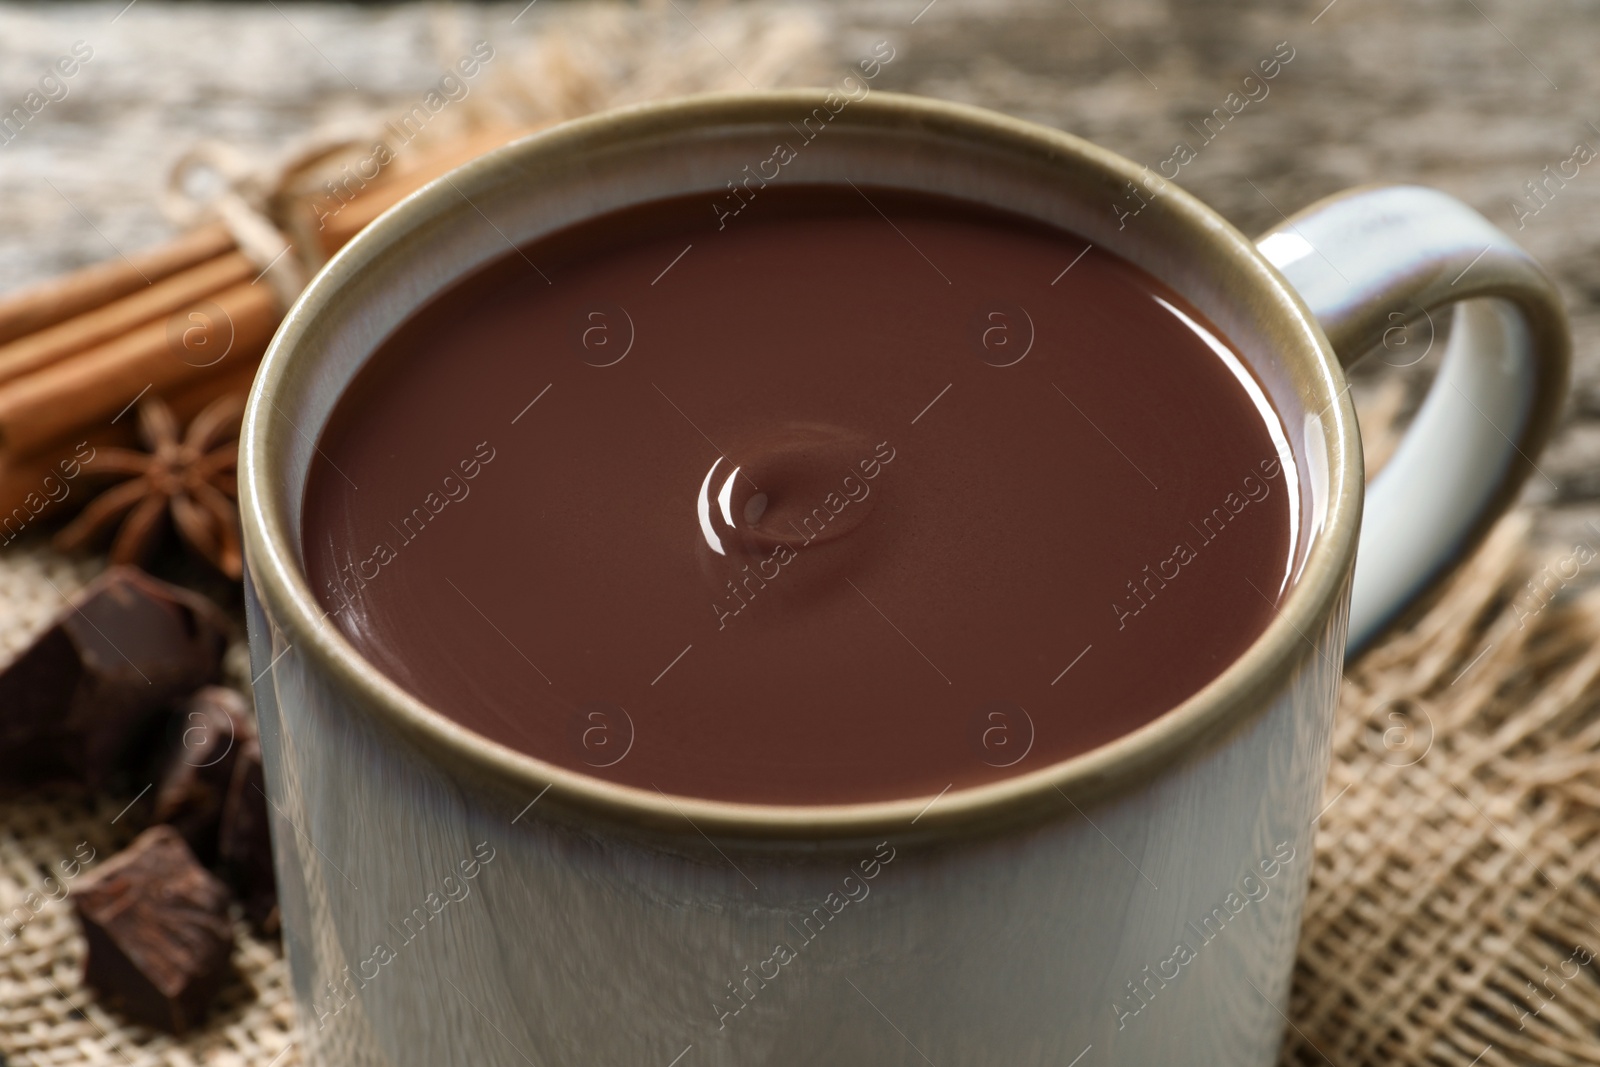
(446, 900)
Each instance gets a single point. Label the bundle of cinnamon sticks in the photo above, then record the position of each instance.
(187, 322)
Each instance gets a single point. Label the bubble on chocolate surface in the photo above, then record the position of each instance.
(800, 485)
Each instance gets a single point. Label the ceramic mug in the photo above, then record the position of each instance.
(446, 900)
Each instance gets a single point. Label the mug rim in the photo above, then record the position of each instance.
(1236, 696)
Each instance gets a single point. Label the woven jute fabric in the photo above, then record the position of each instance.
(1454, 909)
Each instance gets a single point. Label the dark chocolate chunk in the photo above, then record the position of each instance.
(158, 931)
(202, 745)
(245, 842)
(79, 700)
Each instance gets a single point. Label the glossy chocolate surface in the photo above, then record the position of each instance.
(853, 495)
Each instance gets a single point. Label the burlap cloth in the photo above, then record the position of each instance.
(1454, 907)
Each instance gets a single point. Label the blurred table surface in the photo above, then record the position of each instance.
(1475, 97)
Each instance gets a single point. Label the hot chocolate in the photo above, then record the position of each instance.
(865, 496)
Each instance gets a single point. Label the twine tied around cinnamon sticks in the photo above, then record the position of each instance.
(215, 182)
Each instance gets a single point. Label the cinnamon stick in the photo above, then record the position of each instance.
(58, 299)
(106, 323)
(203, 341)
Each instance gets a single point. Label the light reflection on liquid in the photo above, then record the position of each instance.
(1269, 415)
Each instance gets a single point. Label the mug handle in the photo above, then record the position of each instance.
(1369, 262)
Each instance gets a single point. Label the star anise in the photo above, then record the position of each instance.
(190, 474)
